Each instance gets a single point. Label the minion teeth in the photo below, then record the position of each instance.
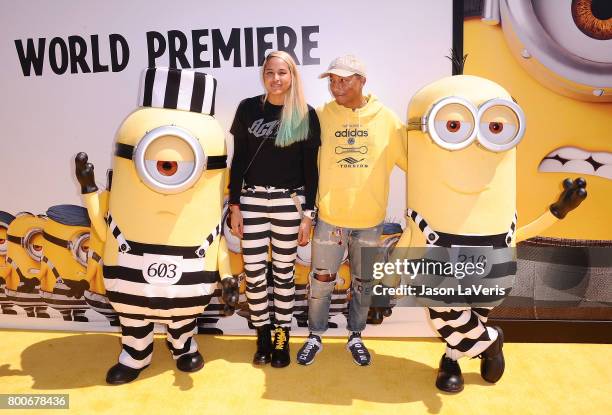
(576, 160)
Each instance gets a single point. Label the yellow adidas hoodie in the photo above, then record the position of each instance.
(358, 151)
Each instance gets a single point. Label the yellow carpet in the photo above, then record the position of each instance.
(539, 379)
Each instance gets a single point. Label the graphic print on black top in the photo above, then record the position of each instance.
(255, 125)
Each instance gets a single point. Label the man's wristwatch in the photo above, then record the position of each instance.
(310, 214)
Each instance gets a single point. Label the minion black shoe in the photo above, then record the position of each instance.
(493, 364)
(449, 378)
(191, 362)
(120, 374)
(280, 351)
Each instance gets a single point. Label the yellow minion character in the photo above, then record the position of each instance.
(163, 252)
(63, 267)
(5, 220)
(463, 133)
(95, 296)
(24, 255)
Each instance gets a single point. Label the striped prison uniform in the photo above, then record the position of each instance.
(26, 297)
(71, 308)
(6, 306)
(464, 328)
(96, 301)
(270, 215)
(140, 303)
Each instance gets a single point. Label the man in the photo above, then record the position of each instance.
(361, 142)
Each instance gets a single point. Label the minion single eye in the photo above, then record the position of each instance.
(304, 254)
(169, 159)
(33, 249)
(233, 243)
(169, 172)
(593, 18)
(451, 123)
(3, 246)
(501, 125)
(79, 247)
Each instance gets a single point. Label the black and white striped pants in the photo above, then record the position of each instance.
(137, 340)
(463, 329)
(270, 215)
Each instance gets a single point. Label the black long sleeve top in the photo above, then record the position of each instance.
(285, 167)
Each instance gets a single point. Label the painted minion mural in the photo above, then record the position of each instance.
(558, 58)
(5, 305)
(95, 295)
(462, 138)
(63, 269)
(163, 252)
(24, 256)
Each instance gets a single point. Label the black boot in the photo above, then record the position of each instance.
(493, 364)
(264, 346)
(449, 376)
(120, 374)
(280, 353)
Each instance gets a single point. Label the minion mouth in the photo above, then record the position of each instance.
(577, 160)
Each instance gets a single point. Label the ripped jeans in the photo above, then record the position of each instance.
(329, 246)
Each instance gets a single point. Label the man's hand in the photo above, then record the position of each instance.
(236, 222)
(85, 174)
(574, 192)
(304, 231)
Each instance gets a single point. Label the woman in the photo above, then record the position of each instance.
(273, 184)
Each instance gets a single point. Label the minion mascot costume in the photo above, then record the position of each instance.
(24, 254)
(163, 253)
(461, 182)
(95, 295)
(5, 305)
(62, 271)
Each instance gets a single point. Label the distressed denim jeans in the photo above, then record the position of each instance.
(328, 247)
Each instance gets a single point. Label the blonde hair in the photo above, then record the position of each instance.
(294, 120)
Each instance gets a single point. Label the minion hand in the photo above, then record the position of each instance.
(573, 194)
(85, 174)
(230, 293)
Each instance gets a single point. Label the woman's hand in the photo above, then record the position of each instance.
(236, 220)
(304, 231)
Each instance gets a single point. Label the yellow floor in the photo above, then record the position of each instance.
(539, 379)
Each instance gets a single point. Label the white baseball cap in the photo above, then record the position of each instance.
(344, 66)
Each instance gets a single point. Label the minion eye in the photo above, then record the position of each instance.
(169, 159)
(304, 254)
(451, 124)
(33, 249)
(593, 18)
(233, 243)
(3, 246)
(501, 125)
(80, 248)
